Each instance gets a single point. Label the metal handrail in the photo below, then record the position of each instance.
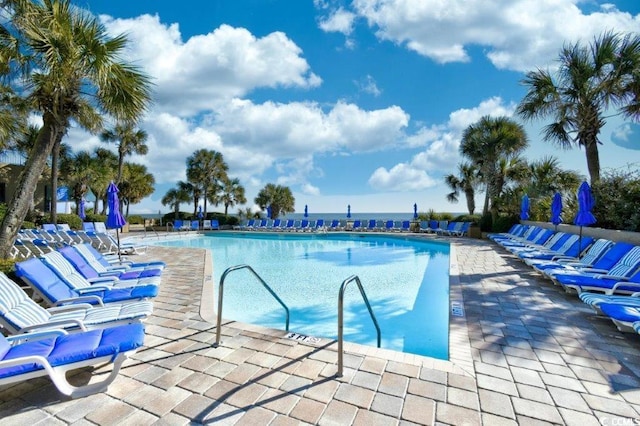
(341, 319)
(221, 293)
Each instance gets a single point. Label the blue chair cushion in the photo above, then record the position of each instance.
(72, 348)
(620, 312)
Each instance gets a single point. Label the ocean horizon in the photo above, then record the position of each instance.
(330, 216)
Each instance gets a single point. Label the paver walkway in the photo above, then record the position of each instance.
(526, 354)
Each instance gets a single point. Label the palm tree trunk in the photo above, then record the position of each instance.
(593, 160)
(471, 202)
(120, 166)
(55, 156)
(27, 182)
(226, 209)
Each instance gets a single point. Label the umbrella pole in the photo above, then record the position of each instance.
(118, 239)
(580, 243)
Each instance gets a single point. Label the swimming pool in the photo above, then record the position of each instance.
(406, 282)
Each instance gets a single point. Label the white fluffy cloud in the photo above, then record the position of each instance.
(340, 21)
(441, 144)
(516, 34)
(206, 69)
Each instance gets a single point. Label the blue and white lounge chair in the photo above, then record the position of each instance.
(389, 226)
(335, 225)
(623, 316)
(595, 299)
(597, 256)
(86, 276)
(20, 314)
(93, 256)
(570, 248)
(91, 269)
(195, 225)
(372, 225)
(357, 225)
(54, 353)
(405, 226)
(56, 290)
(605, 281)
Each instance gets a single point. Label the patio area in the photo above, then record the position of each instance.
(524, 352)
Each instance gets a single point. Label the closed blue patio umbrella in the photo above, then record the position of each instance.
(306, 211)
(115, 220)
(200, 214)
(348, 211)
(584, 217)
(524, 207)
(556, 210)
(81, 211)
(269, 211)
(415, 211)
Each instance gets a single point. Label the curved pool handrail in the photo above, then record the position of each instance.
(221, 294)
(341, 319)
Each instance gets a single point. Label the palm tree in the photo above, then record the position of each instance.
(103, 166)
(466, 181)
(546, 177)
(137, 183)
(232, 193)
(75, 73)
(75, 172)
(485, 144)
(194, 193)
(206, 169)
(588, 82)
(278, 197)
(130, 141)
(174, 197)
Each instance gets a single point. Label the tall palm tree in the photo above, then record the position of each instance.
(206, 169)
(546, 177)
(278, 197)
(130, 141)
(137, 183)
(104, 164)
(466, 181)
(487, 142)
(194, 193)
(75, 73)
(589, 81)
(174, 197)
(75, 172)
(232, 193)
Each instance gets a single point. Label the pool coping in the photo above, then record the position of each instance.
(460, 359)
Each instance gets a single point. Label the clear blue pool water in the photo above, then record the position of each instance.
(406, 281)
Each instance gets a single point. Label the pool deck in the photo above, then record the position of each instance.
(523, 353)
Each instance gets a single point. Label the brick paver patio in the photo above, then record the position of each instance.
(524, 353)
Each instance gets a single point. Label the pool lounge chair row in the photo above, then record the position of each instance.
(604, 274)
(444, 227)
(95, 315)
(456, 228)
(36, 242)
(194, 225)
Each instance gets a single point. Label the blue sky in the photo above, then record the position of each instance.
(346, 102)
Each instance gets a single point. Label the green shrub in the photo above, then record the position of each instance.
(135, 219)
(617, 197)
(6, 266)
(93, 217)
(72, 220)
(473, 218)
